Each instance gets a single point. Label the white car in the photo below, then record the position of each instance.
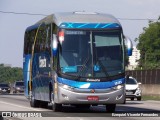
(132, 89)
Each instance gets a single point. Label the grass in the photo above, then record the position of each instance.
(151, 97)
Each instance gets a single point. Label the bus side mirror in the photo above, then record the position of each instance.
(129, 46)
(54, 45)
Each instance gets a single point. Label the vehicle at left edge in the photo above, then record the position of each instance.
(4, 88)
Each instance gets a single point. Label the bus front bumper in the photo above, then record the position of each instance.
(89, 96)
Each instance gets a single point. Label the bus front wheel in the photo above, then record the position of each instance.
(56, 107)
(110, 108)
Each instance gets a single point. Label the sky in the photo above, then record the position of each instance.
(12, 26)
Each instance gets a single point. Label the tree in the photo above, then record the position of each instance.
(8, 74)
(149, 46)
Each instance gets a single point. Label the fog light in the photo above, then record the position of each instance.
(65, 97)
(119, 97)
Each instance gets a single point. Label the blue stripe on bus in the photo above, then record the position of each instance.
(91, 85)
(97, 25)
(26, 72)
(83, 25)
(89, 25)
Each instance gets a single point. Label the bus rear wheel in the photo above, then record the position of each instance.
(110, 108)
(33, 102)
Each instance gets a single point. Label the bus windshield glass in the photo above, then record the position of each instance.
(91, 53)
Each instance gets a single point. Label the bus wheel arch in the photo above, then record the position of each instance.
(28, 88)
(55, 106)
(33, 102)
(50, 92)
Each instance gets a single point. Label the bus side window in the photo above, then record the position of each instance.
(44, 49)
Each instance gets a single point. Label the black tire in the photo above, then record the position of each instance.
(43, 104)
(110, 108)
(34, 103)
(124, 101)
(56, 107)
(87, 106)
(139, 98)
(132, 99)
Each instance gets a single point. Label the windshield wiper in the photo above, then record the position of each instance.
(83, 67)
(103, 68)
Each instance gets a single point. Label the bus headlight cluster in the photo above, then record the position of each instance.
(118, 87)
(66, 87)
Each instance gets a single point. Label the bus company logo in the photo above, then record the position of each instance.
(93, 80)
(92, 91)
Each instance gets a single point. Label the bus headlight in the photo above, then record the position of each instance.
(118, 87)
(66, 87)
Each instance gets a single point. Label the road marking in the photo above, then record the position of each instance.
(19, 106)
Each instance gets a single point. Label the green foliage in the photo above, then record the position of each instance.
(149, 46)
(151, 97)
(8, 74)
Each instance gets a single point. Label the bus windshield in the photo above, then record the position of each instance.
(91, 53)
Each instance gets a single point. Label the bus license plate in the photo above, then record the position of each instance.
(129, 93)
(92, 98)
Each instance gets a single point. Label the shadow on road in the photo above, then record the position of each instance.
(102, 109)
(19, 94)
(97, 111)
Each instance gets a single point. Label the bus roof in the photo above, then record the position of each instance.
(81, 20)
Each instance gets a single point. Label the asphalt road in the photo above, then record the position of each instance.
(17, 102)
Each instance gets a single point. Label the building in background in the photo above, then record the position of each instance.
(7, 65)
(133, 60)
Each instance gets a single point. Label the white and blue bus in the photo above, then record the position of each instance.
(75, 58)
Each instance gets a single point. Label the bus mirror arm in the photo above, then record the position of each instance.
(129, 45)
